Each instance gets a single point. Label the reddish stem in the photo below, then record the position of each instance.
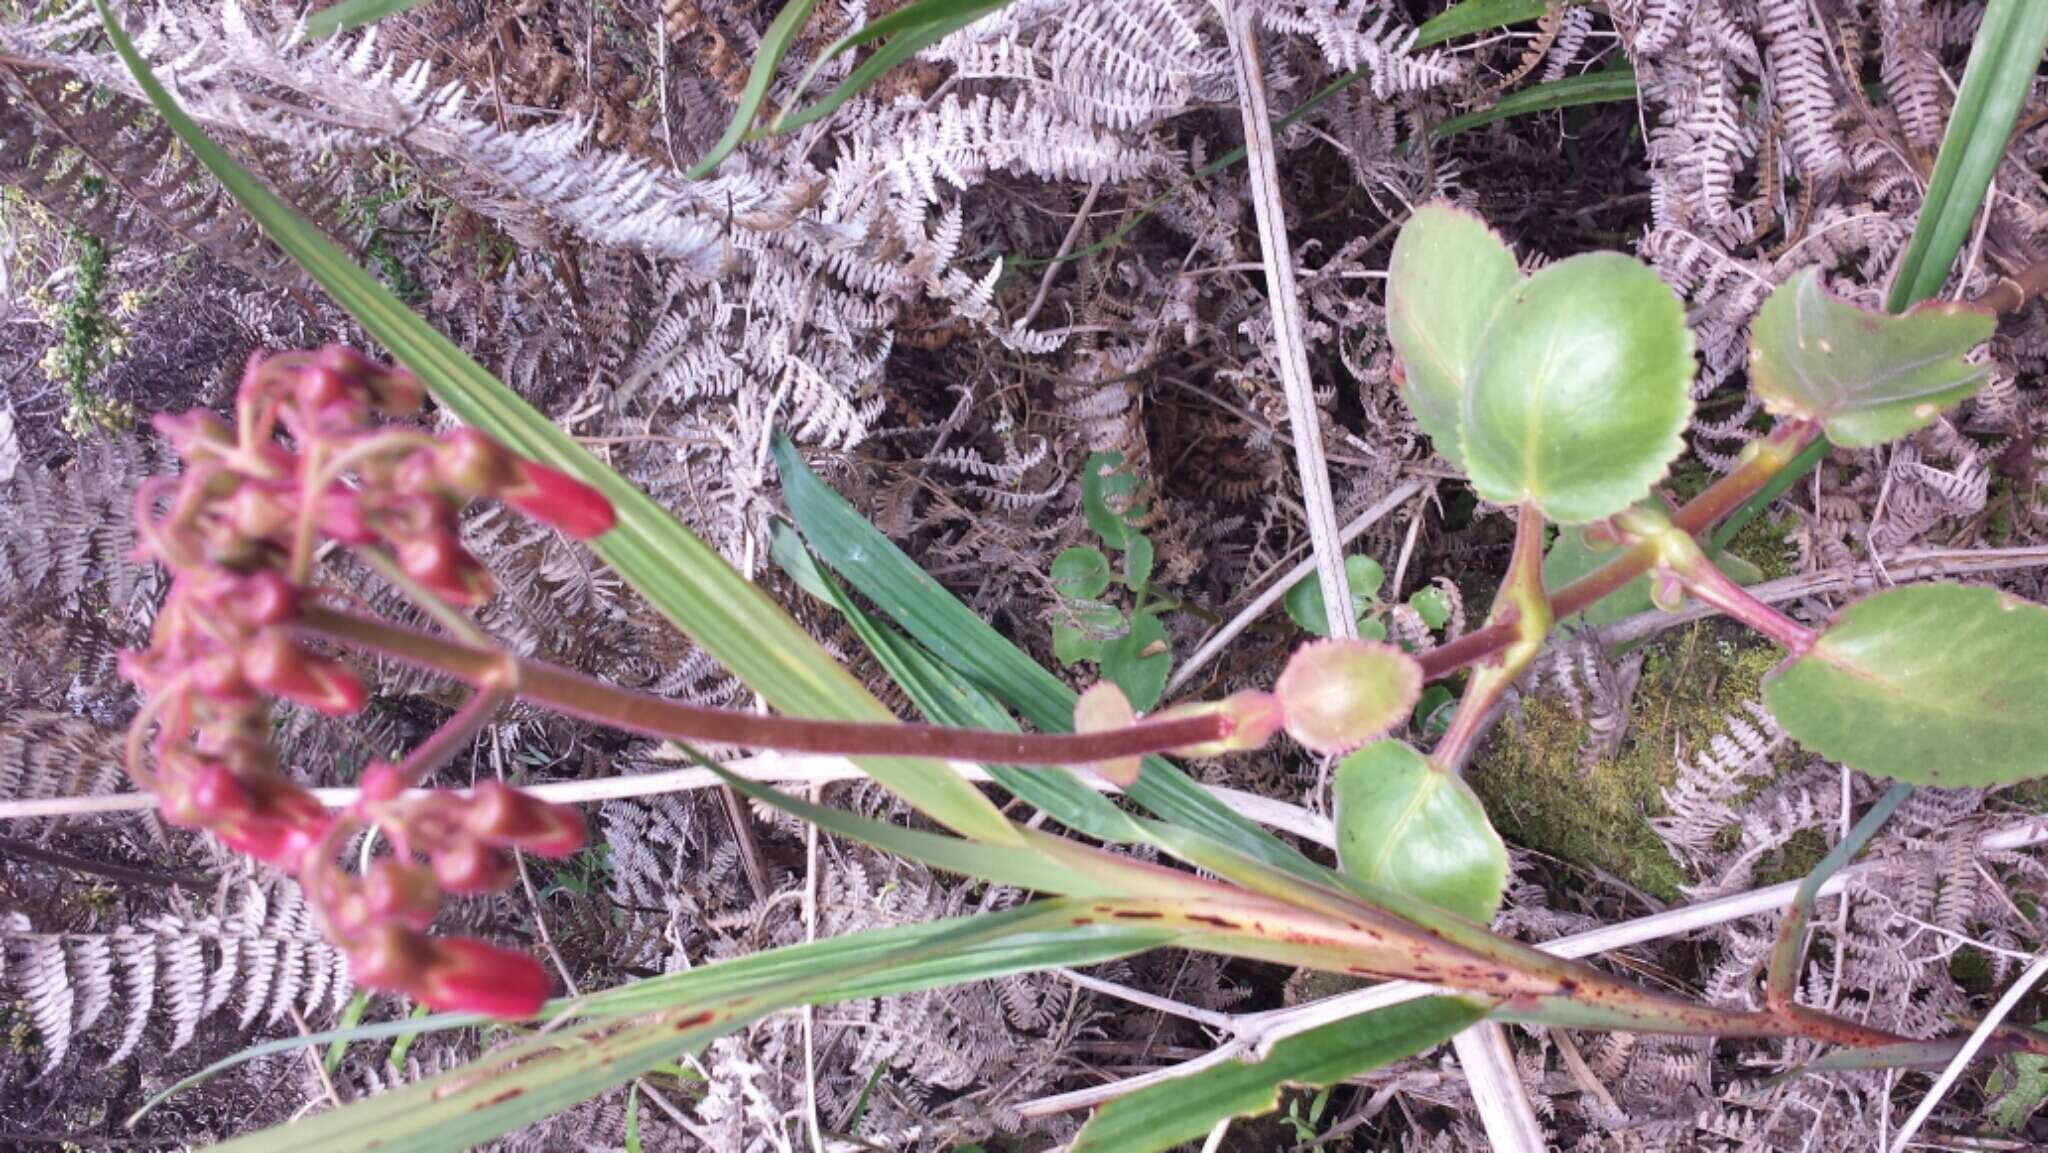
(1709, 585)
(1723, 497)
(573, 694)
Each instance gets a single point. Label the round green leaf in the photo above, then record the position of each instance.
(1580, 395)
(1868, 378)
(1931, 684)
(1137, 562)
(1433, 605)
(1081, 572)
(1409, 826)
(1304, 601)
(1447, 274)
(1139, 660)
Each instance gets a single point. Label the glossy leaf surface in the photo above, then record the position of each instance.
(1405, 824)
(1581, 391)
(1867, 378)
(1927, 684)
(1448, 273)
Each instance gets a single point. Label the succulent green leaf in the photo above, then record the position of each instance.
(1867, 378)
(1929, 684)
(1580, 395)
(1138, 556)
(1179, 1111)
(1434, 710)
(1432, 605)
(1102, 482)
(1448, 273)
(1072, 646)
(1304, 601)
(1407, 825)
(1139, 661)
(1081, 572)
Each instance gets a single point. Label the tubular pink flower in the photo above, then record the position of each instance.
(273, 663)
(445, 568)
(558, 499)
(502, 815)
(465, 975)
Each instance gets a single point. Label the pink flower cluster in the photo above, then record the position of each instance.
(237, 530)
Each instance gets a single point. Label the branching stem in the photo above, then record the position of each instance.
(1766, 459)
(1523, 609)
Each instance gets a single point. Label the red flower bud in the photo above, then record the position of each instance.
(263, 598)
(206, 795)
(558, 499)
(469, 866)
(281, 841)
(465, 975)
(502, 815)
(472, 465)
(341, 516)
(273, 663)
(440, 563)
(219, 678)
(401, 893)
(390, 957)
(324, 388)
(394, 390)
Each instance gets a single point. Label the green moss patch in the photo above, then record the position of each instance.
(1541, 797)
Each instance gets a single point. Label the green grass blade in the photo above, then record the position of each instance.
(1781, 976)
(1996, 83)
(2000, 74)
(687, 580)
(350, 1018)
(1475, 16)
(946, 698)
(872, 564)
(524, 1082)
(902, 46)
(1182, 1110)
(352, 14)
(909, 29)
(1606, 87)
(767, 58)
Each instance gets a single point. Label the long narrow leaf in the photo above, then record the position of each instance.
(767, 58)
(532, 1079)
(686, 579)
(351, 14)
(946, 698)
(1606, 87)
(1475, 16)
(1996, 82)
(1167, 1114)
(909, 30)
(872, 564)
